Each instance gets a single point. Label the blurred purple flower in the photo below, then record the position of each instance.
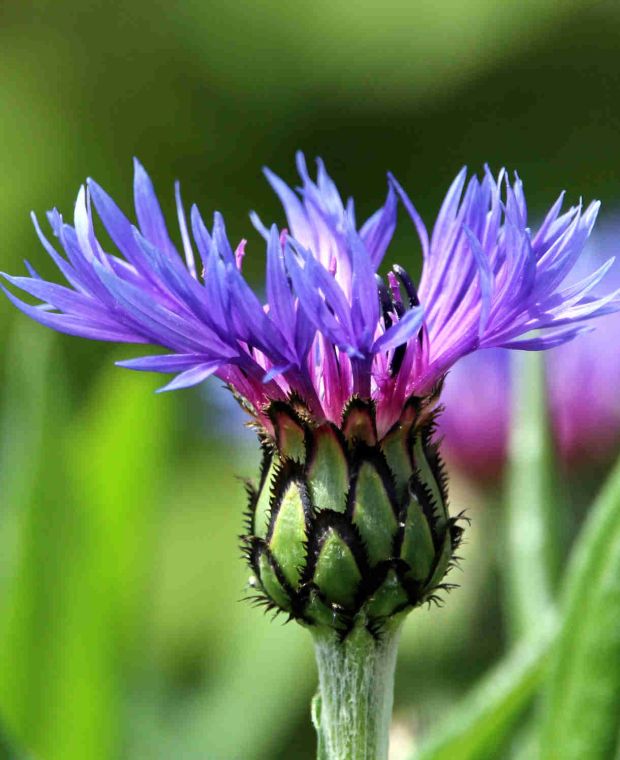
(582, 388)
(330, 328)
(583, 378)
(476, 416)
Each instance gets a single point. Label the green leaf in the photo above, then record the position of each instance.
(477, 728)
(582, 692)
(31, 520)
(24, 417)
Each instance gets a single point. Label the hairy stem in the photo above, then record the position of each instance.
(353, 706)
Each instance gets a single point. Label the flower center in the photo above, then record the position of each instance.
(392, 304)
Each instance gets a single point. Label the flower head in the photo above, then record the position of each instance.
(330, 328)
(349, 523)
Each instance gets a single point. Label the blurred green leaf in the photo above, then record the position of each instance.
(582, 692)
(23, 418)
(116, 451)
(30, 519)
(531, 510)
(477, 728)
(263, 685)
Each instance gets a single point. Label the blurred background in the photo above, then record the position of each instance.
(122, 634)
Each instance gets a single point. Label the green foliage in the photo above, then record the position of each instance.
(582, 691)
(477, 728)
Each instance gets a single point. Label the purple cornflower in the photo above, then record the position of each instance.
(331, 328)
(581, 376)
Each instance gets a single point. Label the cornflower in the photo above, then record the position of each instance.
(340, 369)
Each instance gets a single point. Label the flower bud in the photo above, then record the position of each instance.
(344, 526)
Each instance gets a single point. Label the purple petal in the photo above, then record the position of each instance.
(148, 211)
(72, 325)
(415, 217)
(279, 294)
(378, 230)
(550, 340)
(293, 207)
(364, 295)
(406, 328)
(485, 279)
(191, 377)
(164, 362)
(187, 246)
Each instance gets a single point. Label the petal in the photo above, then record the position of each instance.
(415, 217)
(72, 325)
(378, 230)
(187, 245)
(150, 218)
(164, 362)
(406, 328)
(550, 340)
(191, 377)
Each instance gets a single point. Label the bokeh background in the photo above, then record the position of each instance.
(122, 634)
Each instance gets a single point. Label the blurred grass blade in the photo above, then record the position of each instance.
(22, 423)
(477, 729)
(582, 692)
(33, 406)
(531, 510)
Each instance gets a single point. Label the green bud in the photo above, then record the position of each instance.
(344, 527)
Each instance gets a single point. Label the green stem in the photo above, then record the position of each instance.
(532, 517)
(353, 706)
